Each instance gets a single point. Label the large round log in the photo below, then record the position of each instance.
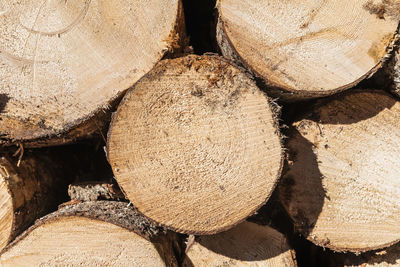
(342, 185)
(308, 49)
(63, 63)
(100, 233)
(248, 244)
(194, 145)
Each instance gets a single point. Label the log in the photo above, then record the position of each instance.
(392, 71)
(28, 191)
(195, 146)
(307, 50)
(342, 185)
(100, 233)
(247, 244)
(63, 63)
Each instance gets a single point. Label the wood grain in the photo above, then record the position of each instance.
(342, 185)
(195, 146)
(307, 49)
(247, 244)
(62, 63)
(70, 237)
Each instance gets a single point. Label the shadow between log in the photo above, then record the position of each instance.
(4, 98)
(302, 197)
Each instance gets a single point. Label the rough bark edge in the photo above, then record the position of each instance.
(309, 114)
(119, 214)
(288, 94)
(86, 127)
(275, 112)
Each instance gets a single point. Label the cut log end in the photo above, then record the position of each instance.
(247, 244)
(57, 239)
(342, 185)
(305, 50)
(195, 146)
(64, 62)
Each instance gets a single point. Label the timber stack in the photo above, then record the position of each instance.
(254, 133)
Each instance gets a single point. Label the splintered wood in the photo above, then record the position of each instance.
(308, 49)
(62, 63)
(195, 145)
(342, 187)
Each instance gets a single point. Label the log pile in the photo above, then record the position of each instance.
(123, 144)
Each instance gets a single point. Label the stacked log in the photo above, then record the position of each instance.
(247, 244)
(77, 228)
(195, 146)
(185, 148)
(307, 50)
(342, 184)
(63, 63)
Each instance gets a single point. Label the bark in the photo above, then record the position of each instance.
(63, 71)
(108, 219)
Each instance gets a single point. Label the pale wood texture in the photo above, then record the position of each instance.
(101, 233)
(247, 244)
(342, 186)
(27, 192)
(62, 63)
(195, 146)
(308, 49)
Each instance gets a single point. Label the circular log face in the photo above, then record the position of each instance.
(311, 48)
(342, 187)
(194, 145)
(63, 61)
(74, 241)
(247, 244)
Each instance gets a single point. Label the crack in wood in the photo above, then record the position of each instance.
(66, 29)
(310, 36)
